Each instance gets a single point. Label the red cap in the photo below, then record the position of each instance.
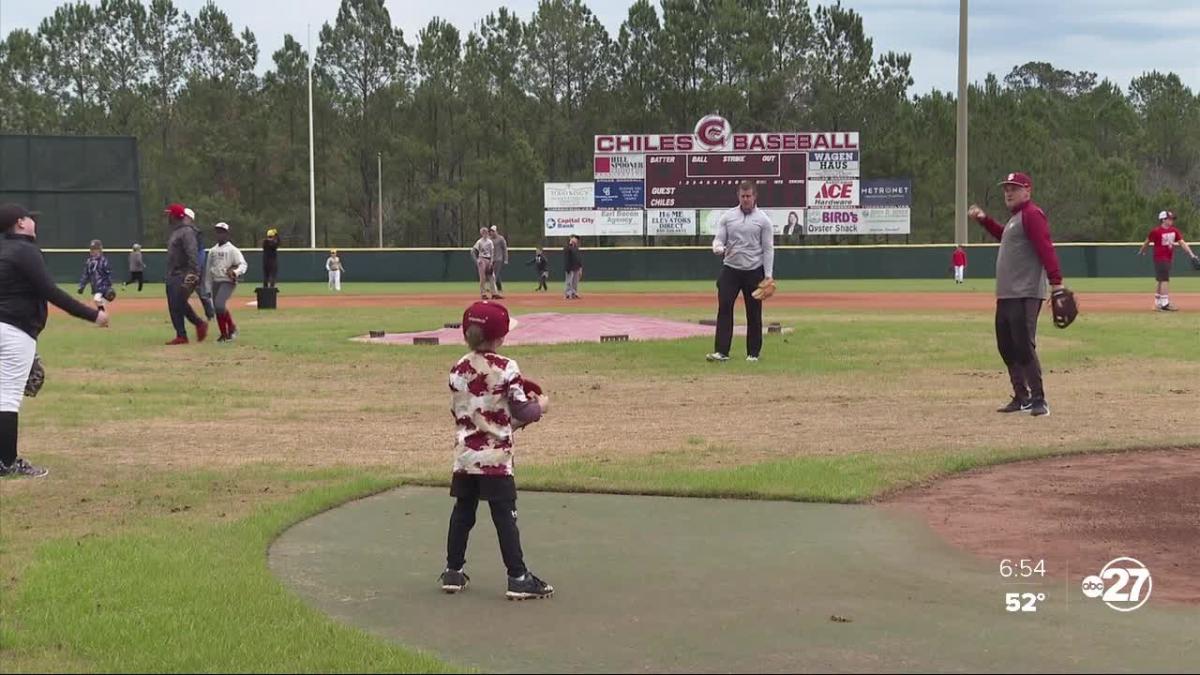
(491, 316)
(176, 211)
(1017, 179)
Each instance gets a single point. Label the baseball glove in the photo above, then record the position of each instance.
(191, 280)
(110, 295)
(37, 377)
(1064, 307)
(766, 288)
(232, 273)
(531, 388)
(1196, 263)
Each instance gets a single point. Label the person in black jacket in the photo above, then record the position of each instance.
(183, 276)
(573, 266)
(25, 286)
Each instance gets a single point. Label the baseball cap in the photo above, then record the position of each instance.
(189, 213)
(176, 211)
(272, 232)
(1163, 215)
(222, 226)
(1017, 179)
(491, 316)
(10, 213)
(493, 228)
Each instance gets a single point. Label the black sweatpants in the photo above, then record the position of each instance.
(504, 517)
(139, 277)
(1016, 338)
(179, 307)
(729, 284)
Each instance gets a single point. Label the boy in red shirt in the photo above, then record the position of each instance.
(1165, 238)
(960, 263)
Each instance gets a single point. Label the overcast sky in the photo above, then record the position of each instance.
(1115, 38)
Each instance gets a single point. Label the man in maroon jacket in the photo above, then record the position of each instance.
(1026, 271)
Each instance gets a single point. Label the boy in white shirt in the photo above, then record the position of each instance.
(224, 267)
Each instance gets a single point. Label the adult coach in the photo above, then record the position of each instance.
(481, 255)
(745, 241)
(499, 258)
(270, 258)
(25, 286)
(203, 290)
(572, 268)
(183, 275)
(1025, 265)
(1165, 237)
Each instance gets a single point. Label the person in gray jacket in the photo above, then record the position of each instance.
(745, 240)
(499, 258)
(183, 275)
(137, 267)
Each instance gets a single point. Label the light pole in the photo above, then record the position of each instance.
(960, 158)
(312, 182)
(379, 169)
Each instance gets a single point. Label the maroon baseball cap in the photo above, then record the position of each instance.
(1019, 179)
(176, 211)
(491, 316)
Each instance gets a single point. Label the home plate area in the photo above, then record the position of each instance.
(554, 328)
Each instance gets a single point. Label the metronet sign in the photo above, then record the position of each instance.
(702, 170)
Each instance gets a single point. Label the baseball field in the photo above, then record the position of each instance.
(160, 540)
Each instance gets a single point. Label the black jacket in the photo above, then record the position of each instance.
(26, 285)
(572, 259)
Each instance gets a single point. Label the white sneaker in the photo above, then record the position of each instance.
(717, 356)
(752, 359)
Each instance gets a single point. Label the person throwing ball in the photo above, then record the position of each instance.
(1025, 264)
(745, 242)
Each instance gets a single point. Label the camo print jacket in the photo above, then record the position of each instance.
(486, 398)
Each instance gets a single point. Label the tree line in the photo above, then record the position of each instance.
(468, 127)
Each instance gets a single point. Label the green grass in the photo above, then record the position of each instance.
(197, 598)
(1183, 283)
(843, 479)
(167, 582)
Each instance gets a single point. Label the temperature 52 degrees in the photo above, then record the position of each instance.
(1022, 602)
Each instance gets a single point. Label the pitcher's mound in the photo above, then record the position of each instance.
(554, 328)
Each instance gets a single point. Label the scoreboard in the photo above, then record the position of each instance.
(710, 180)
(701, 170)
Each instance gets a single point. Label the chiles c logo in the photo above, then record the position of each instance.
(713, 131)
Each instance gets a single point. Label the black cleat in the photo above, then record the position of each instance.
(1015, 405)
(453, 582)
(528, 587)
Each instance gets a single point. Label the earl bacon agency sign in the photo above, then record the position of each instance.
(714, 134)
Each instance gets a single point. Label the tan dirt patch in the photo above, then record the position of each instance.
(1077, 513)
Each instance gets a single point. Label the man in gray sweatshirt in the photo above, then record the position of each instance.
(183, 275)
(745, 241)
(499, 259)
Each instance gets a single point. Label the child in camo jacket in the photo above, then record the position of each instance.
(97, 272)
(489, 400)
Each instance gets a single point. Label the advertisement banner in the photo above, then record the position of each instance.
(895, 220)
(833, 221)
(620, 194)
(833, 193)
(567, 223)
(672, 223)
(789, 221)
(833, 164)
(709, 219)
(886, 193)
(620, 167)
(858, 221)
(624, 223)
(568, 195)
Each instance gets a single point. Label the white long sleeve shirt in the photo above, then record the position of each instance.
(220, 258)
(748, 240)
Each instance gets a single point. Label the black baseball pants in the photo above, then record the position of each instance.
(729, 285)
(504, 517)
(1016, 338)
